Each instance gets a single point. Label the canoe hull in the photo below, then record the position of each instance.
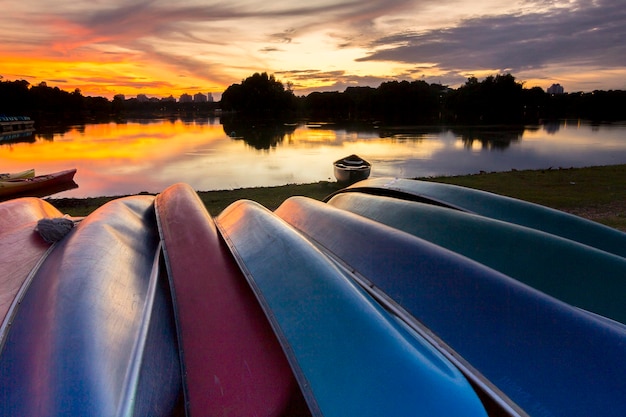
(21, 247)
(545, 355)
(223, 333)
(499, 207)
(572, 272)
(351, 169)
(94, 333)
(349, 356)
(36, 184)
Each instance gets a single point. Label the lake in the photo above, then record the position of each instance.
(149, 155)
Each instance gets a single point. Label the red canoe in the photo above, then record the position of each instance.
(21, 247)
(41, 182)
(233, 363)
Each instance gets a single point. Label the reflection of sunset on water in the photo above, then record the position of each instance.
(118, 159)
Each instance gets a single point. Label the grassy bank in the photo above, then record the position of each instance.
(597, 193)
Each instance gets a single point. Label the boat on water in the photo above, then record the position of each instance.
(351, 169)
(15, 124)
(39, 184)
(28, 173)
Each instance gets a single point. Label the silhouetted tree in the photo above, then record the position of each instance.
(260, 95)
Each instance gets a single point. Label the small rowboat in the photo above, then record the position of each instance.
(25, 186)
(351, 169)
(29, 173)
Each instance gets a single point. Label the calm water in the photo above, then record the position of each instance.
(114, 159)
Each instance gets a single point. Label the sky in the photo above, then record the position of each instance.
(169, 47)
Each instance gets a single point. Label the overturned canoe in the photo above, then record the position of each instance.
(349, 356)
(21, 247)
(232, 362)
(94, 332)
(39, 183)
(499, 207)
(578, 274)
(546, 356)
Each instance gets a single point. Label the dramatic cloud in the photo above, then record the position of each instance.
(161, 47)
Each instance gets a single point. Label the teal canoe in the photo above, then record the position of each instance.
(547, 357)
(578, 274)
(349, 356)
(499, 207)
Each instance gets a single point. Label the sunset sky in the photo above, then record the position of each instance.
(159, 47)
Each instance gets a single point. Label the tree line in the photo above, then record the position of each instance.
(498, 99)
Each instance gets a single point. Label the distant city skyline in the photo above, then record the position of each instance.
(158, 48)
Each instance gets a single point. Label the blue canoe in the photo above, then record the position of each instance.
(572, 272)
(94, 333)
(546, 356)
(349, 356)
(501, 208)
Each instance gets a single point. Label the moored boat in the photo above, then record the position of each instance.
(94, 332)
(39, 184)
(546, 356)
(232, 362)
(15, 124)
(350, 357)
(351, 169)
(29, 173)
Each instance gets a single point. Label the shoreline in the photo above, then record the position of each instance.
(597, 193)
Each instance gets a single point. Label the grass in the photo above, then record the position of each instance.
(597, 193)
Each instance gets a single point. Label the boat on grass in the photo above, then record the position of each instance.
(39, 185)
(543, 355)
(93, 333)
(349, 356)
(498, 207)
(578, 274)
(21, 247)
(232, 362)
(29, 173)
(351, 169)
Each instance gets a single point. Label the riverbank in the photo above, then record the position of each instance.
(596, 193)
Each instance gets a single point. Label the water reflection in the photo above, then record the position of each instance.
(149, 155)
(255, 133)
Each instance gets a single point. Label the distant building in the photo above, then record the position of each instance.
(185, 98)
(199, 98)
(555, 89)
(210, 97)
(120, 97)
(169, 99)
(142, 98)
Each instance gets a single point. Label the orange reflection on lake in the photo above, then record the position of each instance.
(127, 158)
